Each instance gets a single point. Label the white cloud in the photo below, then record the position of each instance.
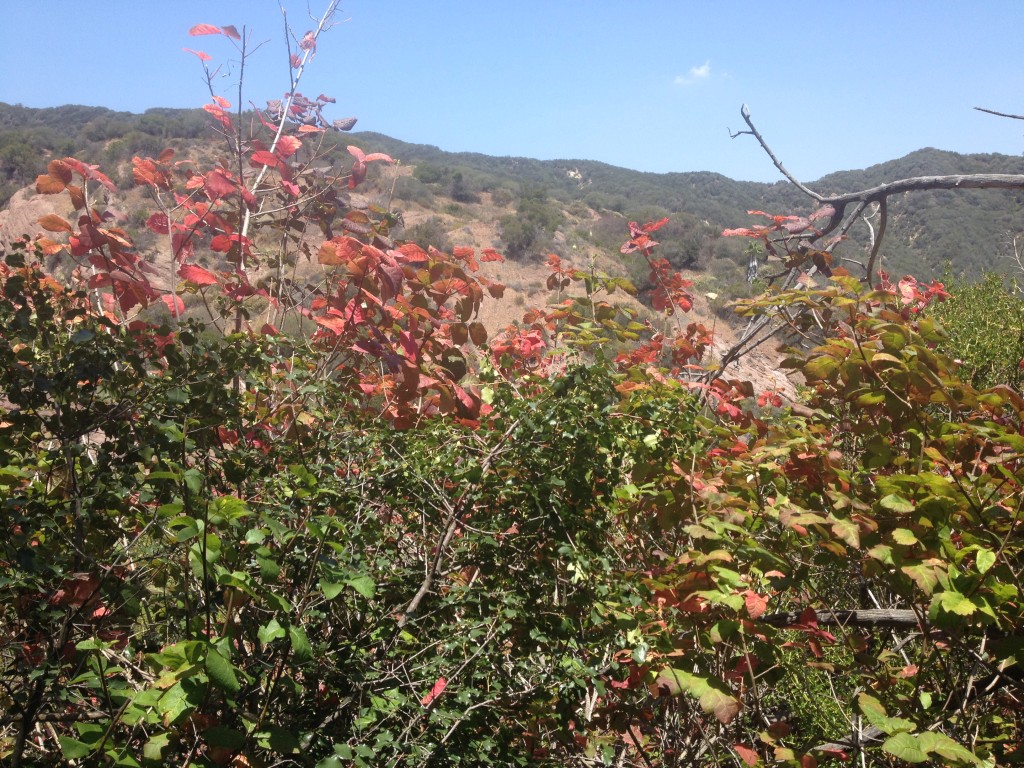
(696, 73)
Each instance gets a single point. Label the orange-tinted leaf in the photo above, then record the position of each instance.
(288, 146)
(77, 197)
(263, 157)
(174, 303)
(221, 243)
(145, 171)
(747, 755)
(60, 170)
(197, 275)
(332, 323)
(339, 251)
(204, 29)
(489, 254)
(221, 102)
(49, 185)
(412, 254)
(310, 129)
(756, 604)
(54, 223)
(219, 114)
(87, 171)
(230, 31)
(48, 247)
(202, 56)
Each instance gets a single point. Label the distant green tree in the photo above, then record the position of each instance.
(518, 235)
(461, 190)
(430, 232)
(502, 197)
(536, 219)
(429, 173)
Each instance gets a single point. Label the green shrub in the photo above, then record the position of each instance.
(985, 325)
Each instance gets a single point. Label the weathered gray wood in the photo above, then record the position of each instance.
(873, 617)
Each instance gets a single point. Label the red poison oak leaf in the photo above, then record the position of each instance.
(359, 166)
(205, 29)
(202, 56)
(287, 146)
(193, 273)
(174, 303)
(54, 223)
(747, 755)
(434, 692)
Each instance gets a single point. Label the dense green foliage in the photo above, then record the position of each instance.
(213, 550)
(257, 589)
(985, 325)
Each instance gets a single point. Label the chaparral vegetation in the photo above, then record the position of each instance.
(254, 515)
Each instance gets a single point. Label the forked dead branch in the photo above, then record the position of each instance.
(806, 245)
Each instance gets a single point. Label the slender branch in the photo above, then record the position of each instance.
(876, 246)
(925, 183)
(745, 113)
(1000, 114)
(323, 24)
(833, 209)
(868, 617)
(879, 193)
(455, 514)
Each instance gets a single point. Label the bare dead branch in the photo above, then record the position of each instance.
(876, 246)
(745, 113)
(837, 217)
(883, 191)
(925, 183)
(869, 617)
(1000, 114)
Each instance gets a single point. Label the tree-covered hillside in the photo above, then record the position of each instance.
(964, 233)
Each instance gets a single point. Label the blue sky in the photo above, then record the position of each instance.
(646, 84)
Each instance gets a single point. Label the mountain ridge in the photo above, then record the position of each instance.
(962, 233)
